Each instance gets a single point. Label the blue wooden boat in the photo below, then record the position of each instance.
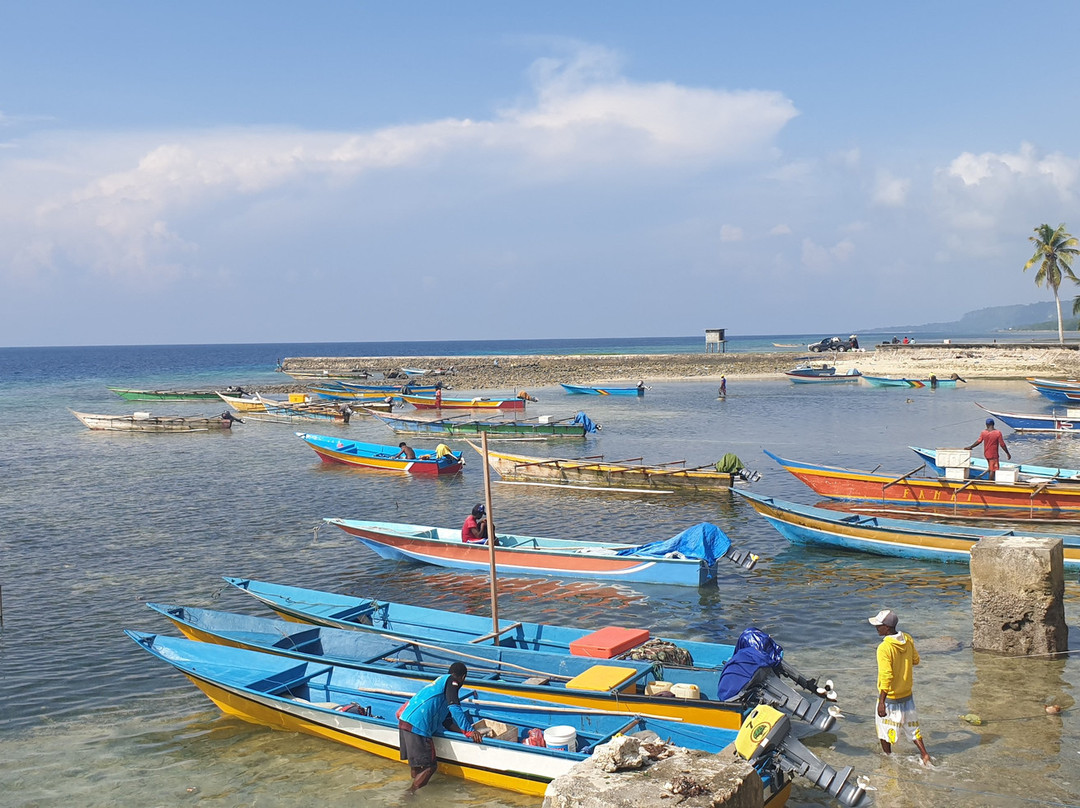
(1063, 390)
(1060, 423)
(378, 456)
(689, 559)
(581, 389)
(386, 388)
(358, 708)
(441, 626)
(978, 468)
(931, 541)
(931, 383)
(625, 685)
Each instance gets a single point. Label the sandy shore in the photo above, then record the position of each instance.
(523, 372)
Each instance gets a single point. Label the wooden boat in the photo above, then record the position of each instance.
(1056, 389)
(329, 393)
(441, 626)
(358, 708)
(581, 389)
(1030, 498)
(539, 428)
(978, 468)
(246, 403)
(821, 373)
(145, 422)
(595, 471)
(598, 684)
(164, 395)
(1032, 422)
(377, 456)
(320, 374)
(430, 402)
(884, 381)
(689, 559)
(932, 541)
(407, 387)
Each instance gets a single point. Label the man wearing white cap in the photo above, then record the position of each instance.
(896, 659)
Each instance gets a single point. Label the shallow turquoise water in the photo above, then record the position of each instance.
(97, 524)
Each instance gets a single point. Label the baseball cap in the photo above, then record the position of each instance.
(886, 617)
(989, 421)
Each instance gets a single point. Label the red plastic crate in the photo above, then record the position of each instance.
(608, 642)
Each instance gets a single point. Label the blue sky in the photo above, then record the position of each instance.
(351, 171)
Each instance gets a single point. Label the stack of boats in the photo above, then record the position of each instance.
(341, 667)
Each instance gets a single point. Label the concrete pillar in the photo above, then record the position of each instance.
(1017, 591)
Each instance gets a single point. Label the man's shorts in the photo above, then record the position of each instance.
(899, 715)
(417, 749)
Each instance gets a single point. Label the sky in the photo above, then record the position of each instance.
(358, 171)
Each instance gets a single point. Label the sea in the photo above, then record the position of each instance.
(97, 524)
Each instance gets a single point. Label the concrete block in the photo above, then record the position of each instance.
(1017, 596)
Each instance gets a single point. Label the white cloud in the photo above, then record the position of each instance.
(730, 232)
(780, 230)
(583, 116)
(823, 260)
(889, 190)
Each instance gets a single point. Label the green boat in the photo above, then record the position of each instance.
(542, 427)
(166, 395)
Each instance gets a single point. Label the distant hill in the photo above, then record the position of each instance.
(1026, 317)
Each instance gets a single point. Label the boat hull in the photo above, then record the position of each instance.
(478, 403)
(531, 556)
(504, 430)
(578, 389)
(1022, 498)
(1033, 422)
(522, 468)
(882, 381)
(805, 525)
(378, 457)
(166, 423)
(165, 395)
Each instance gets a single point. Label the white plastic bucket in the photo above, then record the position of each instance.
(685, 691)
(561, 737)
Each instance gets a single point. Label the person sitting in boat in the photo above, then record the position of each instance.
(524, 396)
(442, 451)
(475, 529)
(435, 706)
(405, 451)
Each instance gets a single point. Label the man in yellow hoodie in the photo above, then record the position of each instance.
(896, 659)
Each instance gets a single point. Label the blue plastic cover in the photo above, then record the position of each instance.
(705, 541)
(756, 638)
(585, 421)
(754, 650)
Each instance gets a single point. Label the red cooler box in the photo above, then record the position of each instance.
(609, 642)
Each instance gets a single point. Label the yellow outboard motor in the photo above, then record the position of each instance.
(766, 732)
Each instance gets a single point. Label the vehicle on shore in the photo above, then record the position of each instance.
(834, 344)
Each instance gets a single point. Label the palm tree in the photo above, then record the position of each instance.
(1054, 252)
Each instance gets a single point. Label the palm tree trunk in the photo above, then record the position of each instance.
(1061, 330)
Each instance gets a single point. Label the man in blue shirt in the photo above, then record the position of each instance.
(434, 707)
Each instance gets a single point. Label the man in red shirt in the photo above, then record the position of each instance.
(992, 440)
(475, 529)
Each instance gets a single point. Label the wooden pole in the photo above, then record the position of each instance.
(491, 540)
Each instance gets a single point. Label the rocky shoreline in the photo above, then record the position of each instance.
(522, 372)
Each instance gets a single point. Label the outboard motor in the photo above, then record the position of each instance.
(766, 733)
(751, 677)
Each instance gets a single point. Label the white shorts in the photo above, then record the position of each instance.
(899, 715)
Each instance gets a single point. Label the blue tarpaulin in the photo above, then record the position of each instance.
(754, 650)
(705, 541)
(585, 421)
